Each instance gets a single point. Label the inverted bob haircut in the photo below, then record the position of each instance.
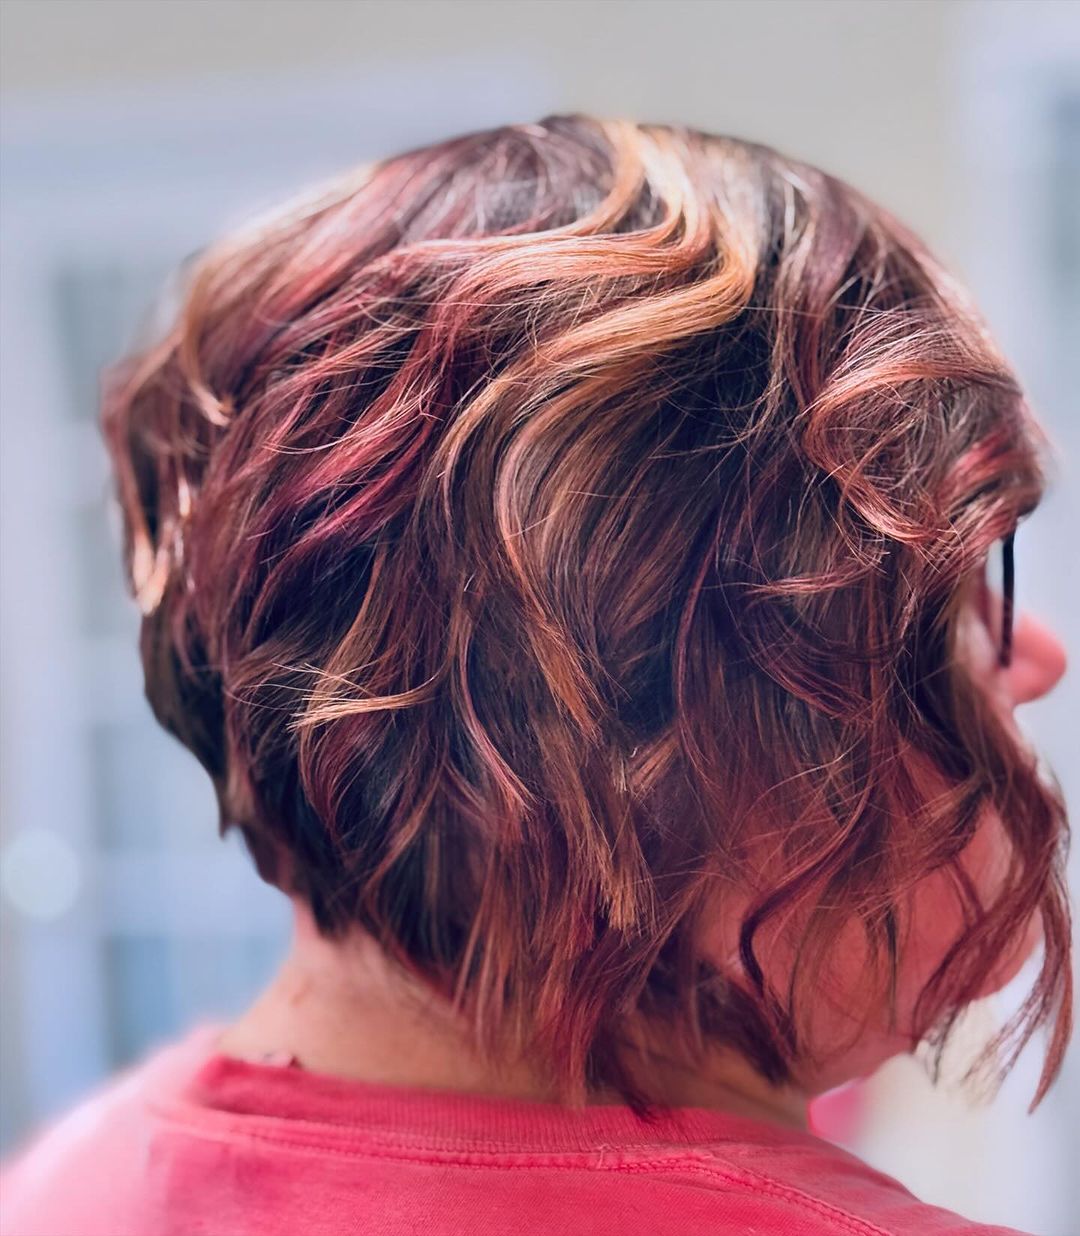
(525, 524)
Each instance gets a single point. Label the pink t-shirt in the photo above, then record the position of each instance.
(191, 1141)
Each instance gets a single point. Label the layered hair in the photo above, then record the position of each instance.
(527, 525)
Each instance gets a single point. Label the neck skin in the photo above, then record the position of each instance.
(341, 1009)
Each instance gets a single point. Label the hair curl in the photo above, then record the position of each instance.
(523, 523)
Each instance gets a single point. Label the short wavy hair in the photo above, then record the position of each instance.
(524, 524)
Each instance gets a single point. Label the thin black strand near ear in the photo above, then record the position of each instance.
(1007, 587)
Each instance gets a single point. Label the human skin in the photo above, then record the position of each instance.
(340, 1008)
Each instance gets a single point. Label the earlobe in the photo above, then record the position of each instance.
(1038, 661)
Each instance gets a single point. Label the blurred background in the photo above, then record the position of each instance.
(135, 130)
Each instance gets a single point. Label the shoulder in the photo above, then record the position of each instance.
(825, 1189)
(63, 1179)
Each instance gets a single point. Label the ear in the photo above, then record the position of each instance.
(1038, 661)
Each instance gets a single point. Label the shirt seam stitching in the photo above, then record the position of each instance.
(387, 1149)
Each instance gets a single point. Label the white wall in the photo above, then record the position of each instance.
(859, 87)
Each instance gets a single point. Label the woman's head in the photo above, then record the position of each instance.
(561, 546)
